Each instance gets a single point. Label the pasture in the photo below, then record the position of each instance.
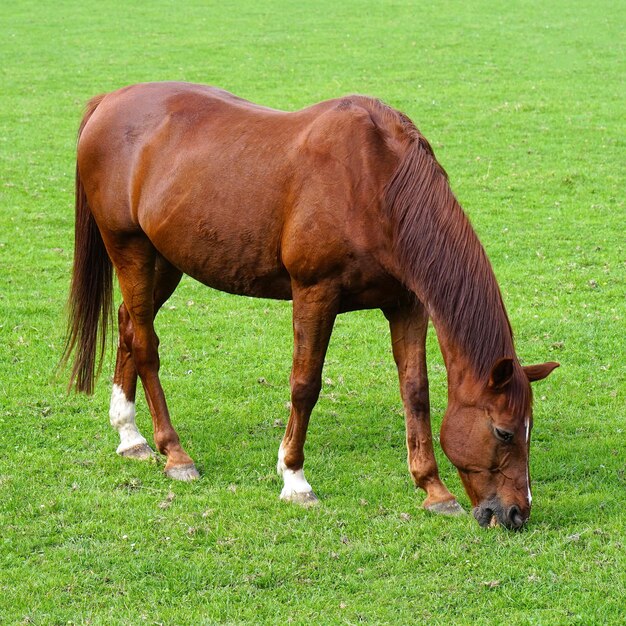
(524, 105)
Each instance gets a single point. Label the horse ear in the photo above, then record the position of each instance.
(501, 374)
(540, 371)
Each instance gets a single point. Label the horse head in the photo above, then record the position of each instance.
(486, 435)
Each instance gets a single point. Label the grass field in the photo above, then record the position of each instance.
(524, 104)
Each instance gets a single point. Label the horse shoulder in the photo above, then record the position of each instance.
(342, 165)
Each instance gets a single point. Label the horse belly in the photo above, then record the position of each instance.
(242, 277)
(236, 252)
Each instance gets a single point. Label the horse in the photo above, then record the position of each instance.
(340, 206)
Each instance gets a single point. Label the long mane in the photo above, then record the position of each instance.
(445, 264)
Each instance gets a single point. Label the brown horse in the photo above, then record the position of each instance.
(339, 206)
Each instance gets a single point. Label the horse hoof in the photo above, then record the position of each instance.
(140, 452)
(306, 498)
(183, 472)
(449, 507)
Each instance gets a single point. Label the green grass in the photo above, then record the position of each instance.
(523, 102)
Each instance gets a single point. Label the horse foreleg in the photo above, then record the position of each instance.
(122, 409)
(314, 311)
(409, 326)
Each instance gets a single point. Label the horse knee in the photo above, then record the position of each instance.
(304, 393)
(417, 398)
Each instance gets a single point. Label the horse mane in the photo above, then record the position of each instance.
(446, 266)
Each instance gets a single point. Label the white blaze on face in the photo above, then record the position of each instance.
(294, 480)
(122, 415)
(530, 496)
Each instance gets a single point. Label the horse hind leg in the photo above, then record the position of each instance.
(146, 281)
(122, 409)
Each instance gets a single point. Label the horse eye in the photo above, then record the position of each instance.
(503, 435)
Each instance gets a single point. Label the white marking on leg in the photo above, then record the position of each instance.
(122, 414)
(294, 480)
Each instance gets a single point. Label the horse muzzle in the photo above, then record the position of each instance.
(491, 513)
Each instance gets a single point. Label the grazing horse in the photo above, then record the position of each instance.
(338, 207)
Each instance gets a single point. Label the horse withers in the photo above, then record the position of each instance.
(339, 206)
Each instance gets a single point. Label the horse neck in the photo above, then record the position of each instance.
(442, 261)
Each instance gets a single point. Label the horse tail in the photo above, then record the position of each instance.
(90, 300)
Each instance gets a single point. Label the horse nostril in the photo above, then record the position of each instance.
(515, 517)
